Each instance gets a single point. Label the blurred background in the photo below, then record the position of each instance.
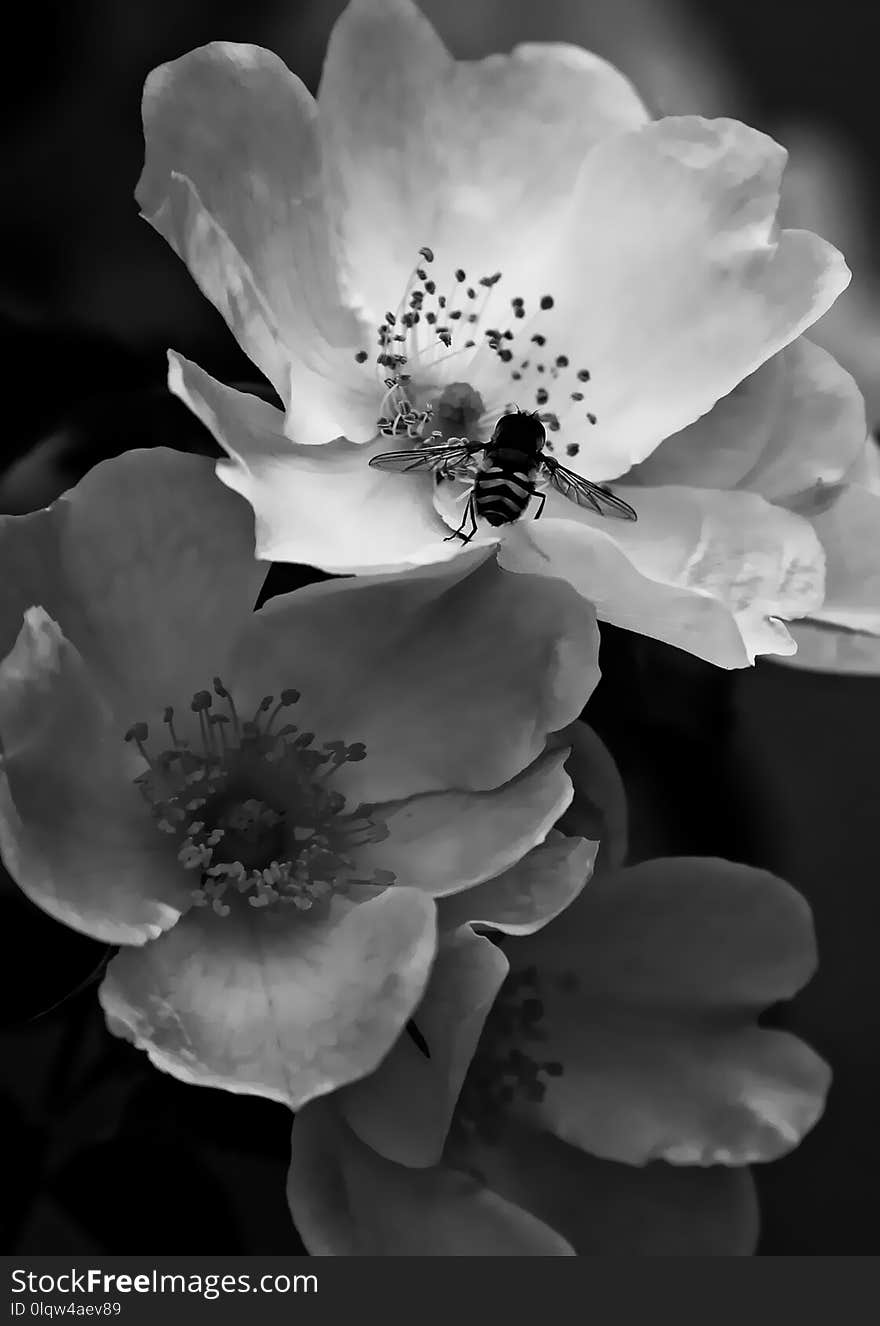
(774, 766)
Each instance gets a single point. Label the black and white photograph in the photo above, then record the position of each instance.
(440, 660)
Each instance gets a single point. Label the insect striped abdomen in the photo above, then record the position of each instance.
(502, 490)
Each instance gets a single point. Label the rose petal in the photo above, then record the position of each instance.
(604, 1208)
(819, 429)
(847, 524)
(598, 811)
(718, 449)
(426, 151)
(529, 894)
(289, 1005)
(671, 284)
(706, 571)
(827, 188)
(147, 565)
(665, 967)
(347, 1201)
(686, 1095)
(800, 418)
(850, 533)
(74, 833)
(403, 1110)
(232, 179)
(315, 505)
(396, 663)
(446, 842)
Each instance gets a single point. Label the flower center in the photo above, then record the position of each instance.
(253, 810)
(419, 342)
(503, 1069)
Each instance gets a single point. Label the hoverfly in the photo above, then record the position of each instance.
(507, 474)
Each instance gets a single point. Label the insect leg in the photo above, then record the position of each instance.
(468, 513)
(542, 498)
(472, 508)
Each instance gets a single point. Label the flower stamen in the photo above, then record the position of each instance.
(502, 1068)
(402, 357)
(259, 796)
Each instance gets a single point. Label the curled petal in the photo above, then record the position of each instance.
(843, 635)
(651, 989)
(287, 1005)
(709, 572)
(347, 1201)
(849, 529)
(819, 430)
(75, 835)
(530, 894)
(232, 179)
(403, 125)
(798, 419)
(451, 675)
(403, 1110)
(446, 842)
(316, 505)
(604, 1208)
(598, 811)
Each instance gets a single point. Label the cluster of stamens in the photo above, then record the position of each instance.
(251, 805)
(503, 1069)
(424, 332)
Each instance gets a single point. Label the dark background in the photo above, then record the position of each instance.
(100, 1153)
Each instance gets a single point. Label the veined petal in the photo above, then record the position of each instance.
(286, 1005)
(664, 969)
(318, 505)
(232, 179)
(707, 571)
(446, 842)
(73, 831)
(671, 285)
(423, 150)
(147, 565)
(396, 663)
(604, 1208)
(403, 1110)
(530, 894)
(347, 1201)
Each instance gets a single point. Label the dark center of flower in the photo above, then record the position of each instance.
(429, 328)
(505, 1067)
(253, 810)
(457, 411)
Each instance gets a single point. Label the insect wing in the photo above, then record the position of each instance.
(584, 493)
(446, 456)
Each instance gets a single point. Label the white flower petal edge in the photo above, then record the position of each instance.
(71, 830)
(709, 572)
(232, 179)
(668, 280)
(322, 506)
(288, 1011)
(798, 419)
(673, 283)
